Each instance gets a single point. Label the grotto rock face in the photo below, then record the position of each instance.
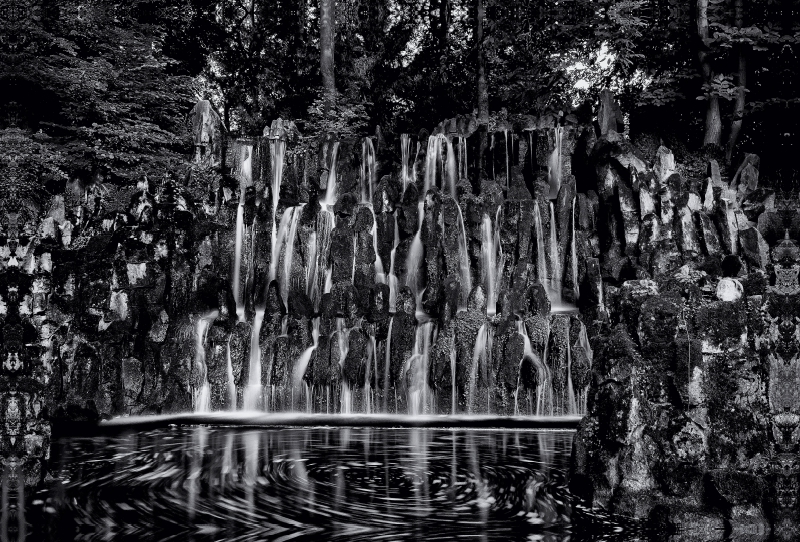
(693, 409)
(557, 273)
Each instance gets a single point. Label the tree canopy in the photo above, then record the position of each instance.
(109, 84)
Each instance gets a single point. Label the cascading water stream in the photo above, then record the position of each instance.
(493, 259)
(368, 170)
(407, 174)
(451, 168)
(343, 343)
(229, 374)
(288, 255)
(462, 158)
(387, 367)
(416, 369)
(286, 221)
(554, 164)
(380, 274)
(331, 191)
(277, 149)
(203, 395)
(253, 392)
(464, 274)
(479, 355)
(302, 363)
(392, 275)
(244, 173)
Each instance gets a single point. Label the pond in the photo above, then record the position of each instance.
(204, 483)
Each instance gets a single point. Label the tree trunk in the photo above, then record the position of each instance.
(741, 81)
(327, 23)
(483, 90)
(713, 129)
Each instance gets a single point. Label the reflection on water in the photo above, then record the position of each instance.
(204, 483)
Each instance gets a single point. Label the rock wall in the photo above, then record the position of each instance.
(532, 270)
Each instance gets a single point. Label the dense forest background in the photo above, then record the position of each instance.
(104, 89)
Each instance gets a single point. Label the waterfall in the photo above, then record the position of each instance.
(493, 259)
(368, 170)
(479, 354)
(237, 261)
(465, 277)
(286, 220)
(302, 364)
(253, 391)
(243, 170)
(407, 175)
(392, 275)
(555, 263)
(277, 149)
(574, 246)
(542, 371)
(413, 264)
(288, 255)
(318, 258)
(203, 396)
(583, 342)
(554, 164)
(433, 158)
(451, 168)
(331, 193)
(380, 274)
(416, 370)
(343, 343)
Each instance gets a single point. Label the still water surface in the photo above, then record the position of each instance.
(234, 484)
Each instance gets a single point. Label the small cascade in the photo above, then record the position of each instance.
(479, 358)
(343, 343)
(493, 259)
(464, 275)
(555, 263)
(236, 285)
(368, 170)
(451, 168)
(574, 246)
(392, 275)
(331, 192)
(277, 149)
(286, 220)
(243, 171)
(288, 255)
(302, 364)
(408, 172)
(433, 159)
(380, 274)
(414, 275)
(252, 394)
(202, 397)
(416, 369)
(554, 165)
(318, 259)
